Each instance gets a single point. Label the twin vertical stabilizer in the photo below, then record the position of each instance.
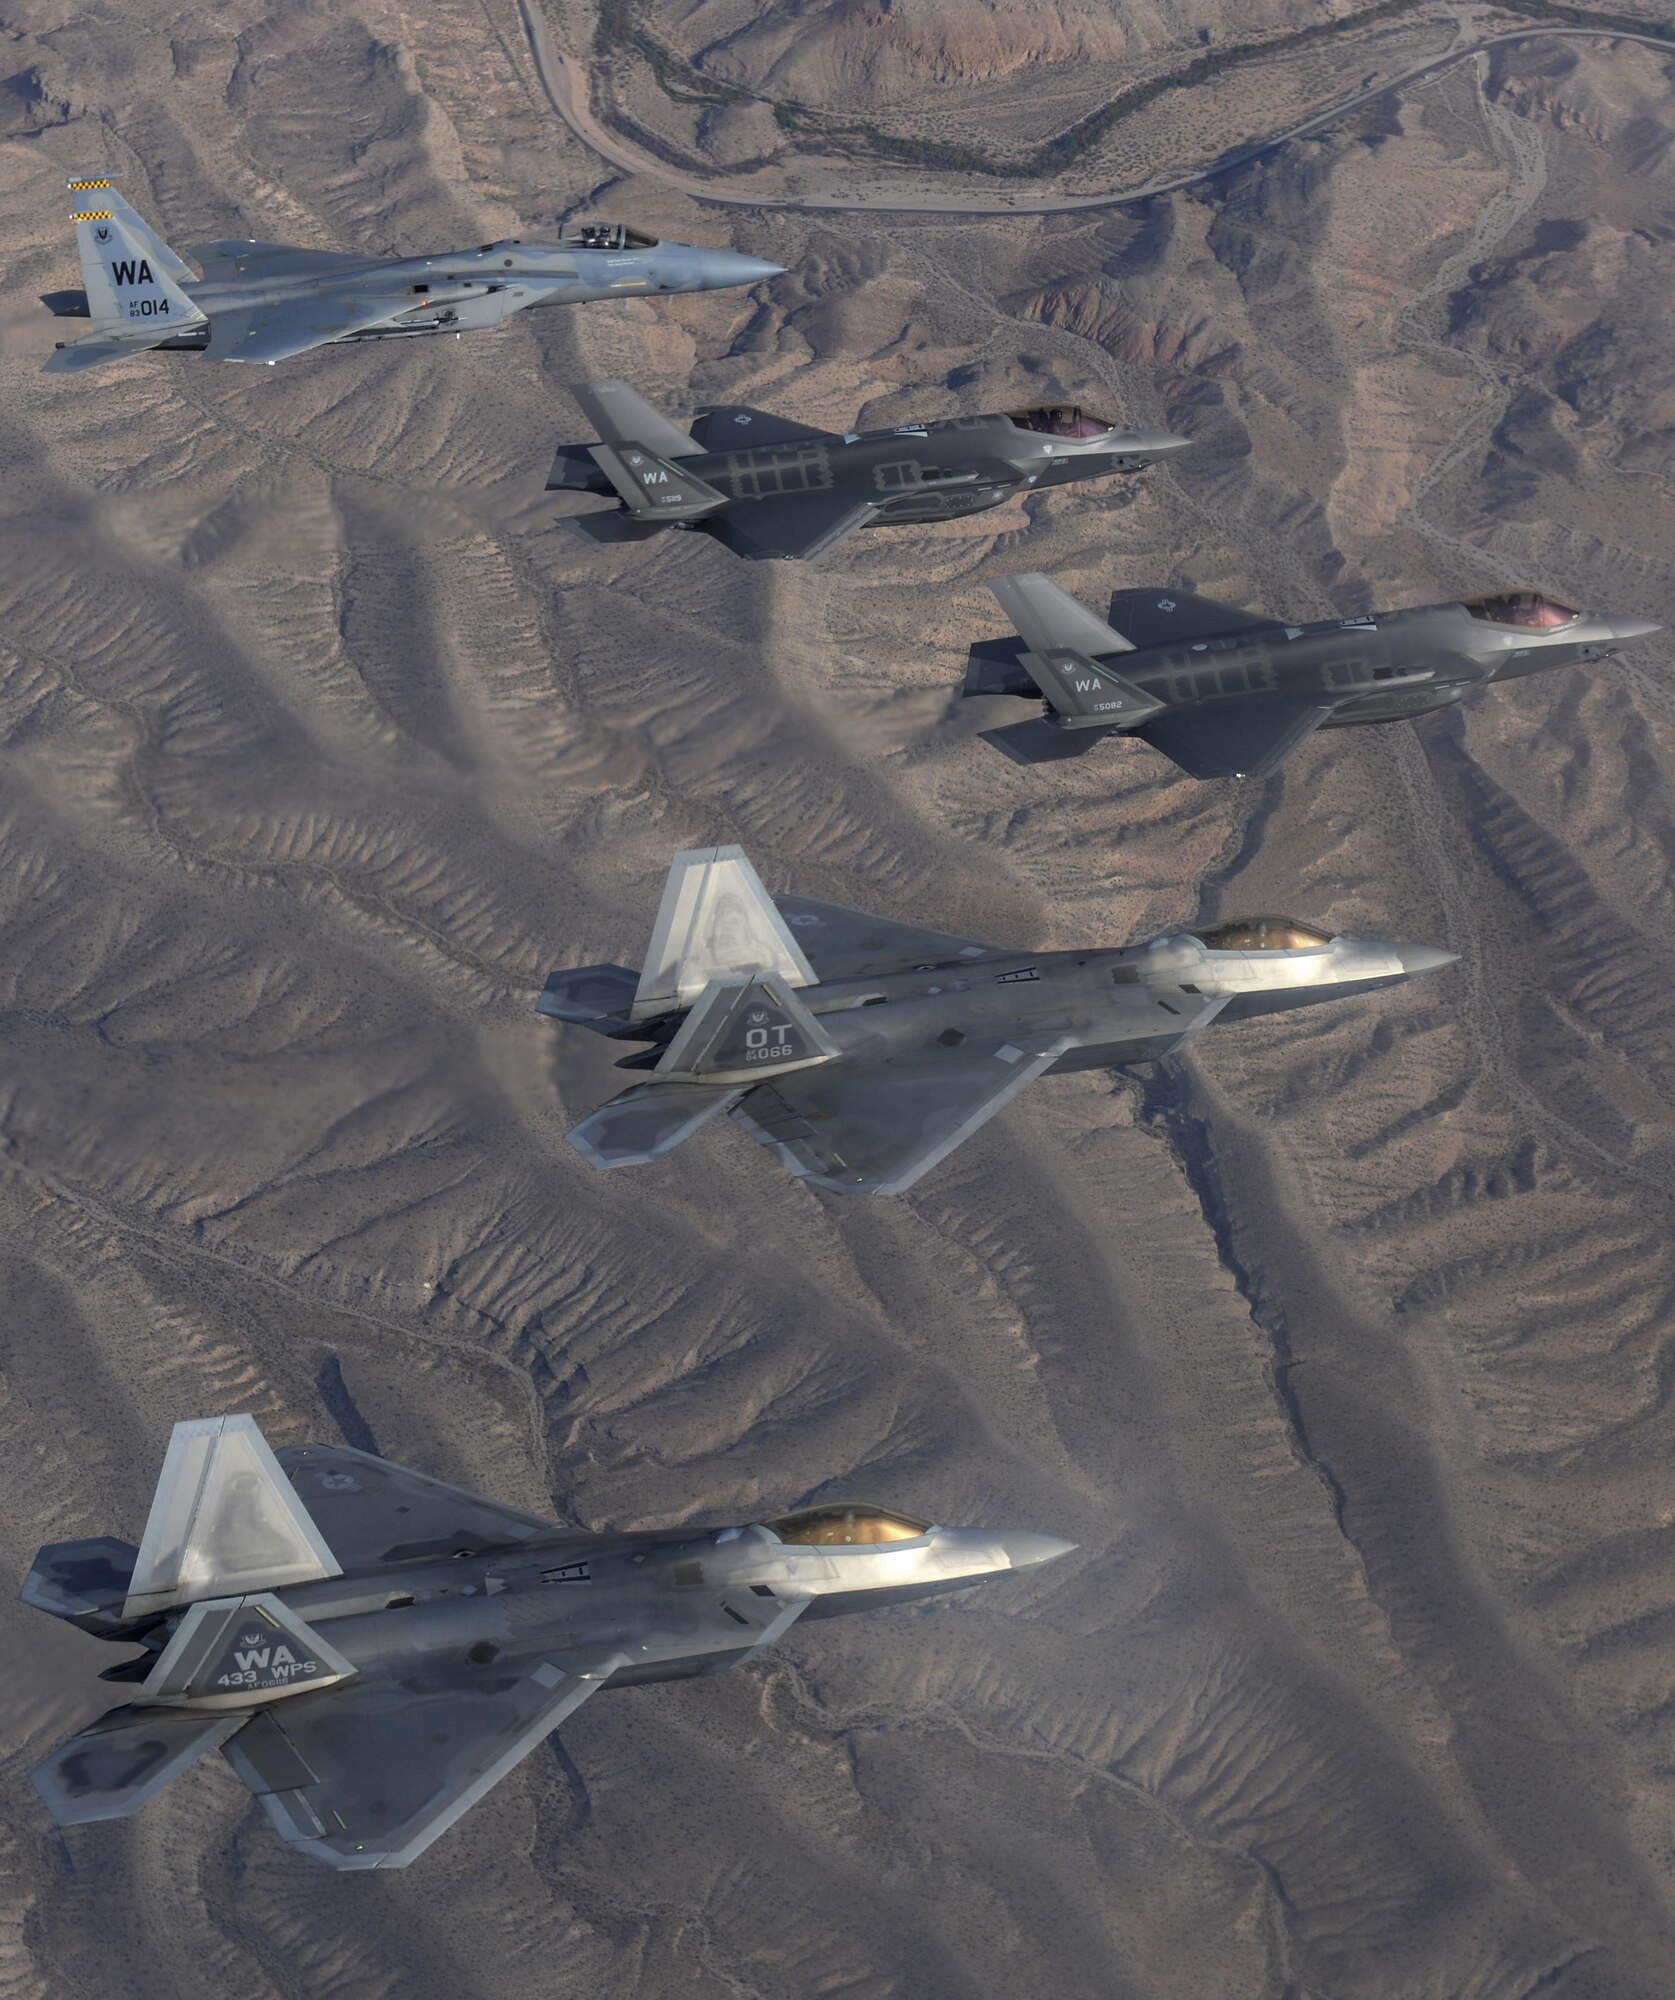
(1068, 653)
(716, 921)
(224, 1520)
(226, 1531)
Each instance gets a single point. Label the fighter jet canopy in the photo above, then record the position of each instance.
(1065, 420)
(1526, 610)
(1264, 934)
(604, 236)
(841, 1524)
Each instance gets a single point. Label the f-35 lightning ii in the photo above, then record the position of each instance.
(863, 1051)
(268, 301)
(768, 487)
(1228, 694)
(372, 1650)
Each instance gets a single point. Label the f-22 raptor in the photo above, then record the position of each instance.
(1226, 693)
(268, 301)
(863, 1051)
(372, 1650)
(767, 487)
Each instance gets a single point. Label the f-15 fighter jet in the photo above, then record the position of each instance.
(766, 486)
(268, 301)
(1228, 694)
(864, 1051)
(372, 1650)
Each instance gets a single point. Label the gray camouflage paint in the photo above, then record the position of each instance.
(1224, 693)
(457, 1635)
(906, 1041)
(264, 302)
(768, 487)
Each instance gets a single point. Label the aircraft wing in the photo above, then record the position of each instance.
(794, 525)
(736, 427)
(1170, 617)
(849, 944)
(367, 1774)
(238, 258)
(370, 1511)
(1039, 741)
(877, 1130)
(275, 330)
(1244, 736)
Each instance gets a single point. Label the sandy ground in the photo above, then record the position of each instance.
(1343, 1350)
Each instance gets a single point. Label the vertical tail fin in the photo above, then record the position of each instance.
(224, 1520)
(622, 416)
(1049, 619)
(133, 278)
(1066, 644)
(716, 921)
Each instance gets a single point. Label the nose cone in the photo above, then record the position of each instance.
(726, 267)
(1418, 958)
(1152, 444)
(1625, 629)
(1027, 1551)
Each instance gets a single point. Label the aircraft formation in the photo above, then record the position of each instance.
(370, 1649)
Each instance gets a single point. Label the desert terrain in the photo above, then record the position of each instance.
(1343, 1349)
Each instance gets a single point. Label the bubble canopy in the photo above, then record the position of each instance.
(1524, 610)
(846, 1524)
(604, 236)
(1263, 934)
(1065, 420)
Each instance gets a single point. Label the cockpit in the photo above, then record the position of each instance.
(841, 1525)
(1063, 420)
(1524, 610)
(604, 236)
(1263, 934)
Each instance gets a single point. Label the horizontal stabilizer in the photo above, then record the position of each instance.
(1235, 738)
(600, 997)
(124, 1760)
(84, 1583)
(93, 350)
(737, 427)
(1039, 741)
(648, 1121)
(742, 1030)
(715, 921)
(224, 1520)
(653, 488)
(622, 416)
(1049, 619)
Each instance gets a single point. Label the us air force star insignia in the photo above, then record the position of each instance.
(1165, 604)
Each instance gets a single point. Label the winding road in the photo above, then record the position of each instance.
(564, 80)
